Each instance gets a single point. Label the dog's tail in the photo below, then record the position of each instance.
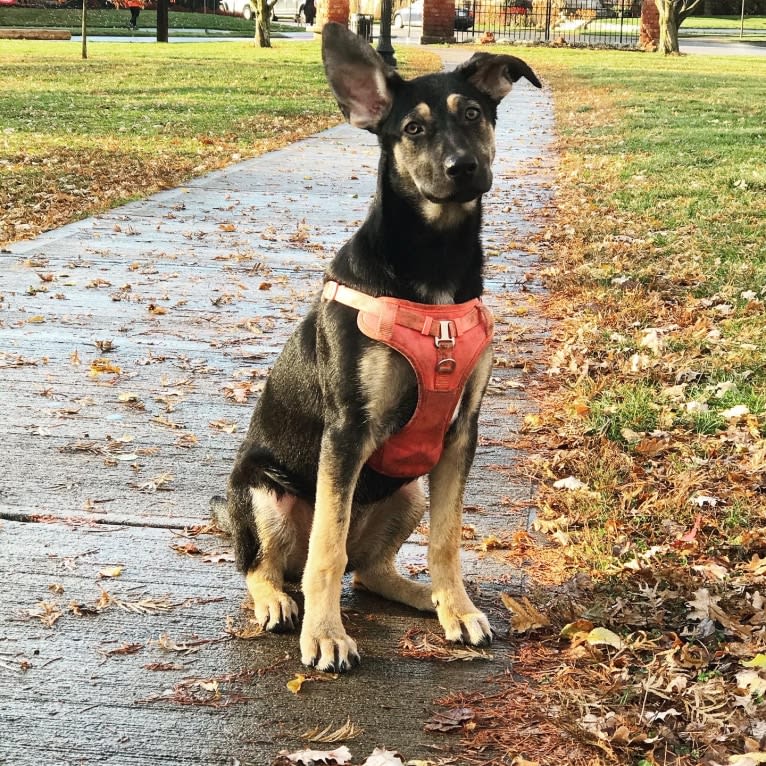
(219, 513)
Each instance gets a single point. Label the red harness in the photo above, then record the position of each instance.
(443, 343)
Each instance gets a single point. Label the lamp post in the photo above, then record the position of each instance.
(385, 49)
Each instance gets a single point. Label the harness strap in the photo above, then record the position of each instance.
(412, 318)
(442, 366)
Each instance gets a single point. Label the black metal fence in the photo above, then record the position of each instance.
(613, 23)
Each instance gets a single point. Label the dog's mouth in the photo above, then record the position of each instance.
(460, 195)
(465, 189)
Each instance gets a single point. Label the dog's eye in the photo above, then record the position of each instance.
(472, 113)
(413, 128)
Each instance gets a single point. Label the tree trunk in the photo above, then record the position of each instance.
(163, 20)
(262, 24)
(84, 30)
(668, 26)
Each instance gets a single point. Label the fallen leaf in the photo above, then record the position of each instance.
(571, 483)
(102, 366)
(340, 756)
(604, 636)
(738, 411)
(251, 629)
(759, 661)
(691, 535)
(296, 683)
(575, 628)
(380, 757)
(747, 759)
(114, 571)
(223, 425)
(752, 682)
(652, 341)
(119, 650)
(524, 616)
(450, 720)
(520, 760)
(328, 735)
(491, 543)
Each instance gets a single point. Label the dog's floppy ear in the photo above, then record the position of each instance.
(494, 74)
(358, 76)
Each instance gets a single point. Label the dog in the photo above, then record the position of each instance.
(382, 382)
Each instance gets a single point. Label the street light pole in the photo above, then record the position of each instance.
(385, 49)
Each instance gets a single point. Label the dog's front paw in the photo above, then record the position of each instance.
(330, 650)
(463, 623)
(278, 612)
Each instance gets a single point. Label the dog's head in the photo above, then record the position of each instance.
(437, 130)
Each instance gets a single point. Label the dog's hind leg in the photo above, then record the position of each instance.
(270, 538)
(283, 526)
(381, 533)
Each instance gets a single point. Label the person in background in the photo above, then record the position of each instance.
(134, 6)
(309, 12)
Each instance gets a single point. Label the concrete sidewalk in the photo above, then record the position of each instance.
(132, 348)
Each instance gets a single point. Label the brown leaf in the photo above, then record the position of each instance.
(328, 735)
(119, 650)
(451, 720)
(525, 616)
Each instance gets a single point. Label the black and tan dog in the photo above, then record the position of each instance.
(382, 381)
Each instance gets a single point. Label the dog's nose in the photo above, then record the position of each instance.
(460, 166)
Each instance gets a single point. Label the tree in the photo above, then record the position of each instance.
(84, 29)
(263, 11)
(672, 13)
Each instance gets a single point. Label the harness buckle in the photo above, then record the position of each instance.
(445, 338)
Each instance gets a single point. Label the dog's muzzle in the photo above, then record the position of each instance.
(465, 178)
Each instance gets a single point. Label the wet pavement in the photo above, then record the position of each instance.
(132, 347)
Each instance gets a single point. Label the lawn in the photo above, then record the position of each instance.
(752, 23)
(113, 21)
(645, 641)
(79, 136)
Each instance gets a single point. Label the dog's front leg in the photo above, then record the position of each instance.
(459, 618)
(324, 642)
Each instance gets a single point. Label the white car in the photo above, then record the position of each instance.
(284, 9)
(585, 9)
(412, 15)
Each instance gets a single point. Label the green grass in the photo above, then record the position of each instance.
(120, 89)
(115, 21)
(80, 135)
(662, 184)
(752, 23)
(629, 406)
(49, 94)
(688, 153)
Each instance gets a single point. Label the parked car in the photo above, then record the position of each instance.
(584, 9)
(284, 9)
(412, 15)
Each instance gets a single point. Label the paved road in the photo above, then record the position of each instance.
(132, 347)
(712, 47)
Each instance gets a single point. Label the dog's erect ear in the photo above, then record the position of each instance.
(495, 74)
(358, 76)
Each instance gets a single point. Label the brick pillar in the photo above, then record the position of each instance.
(331, 10)
(649, 36)
(438, 21)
